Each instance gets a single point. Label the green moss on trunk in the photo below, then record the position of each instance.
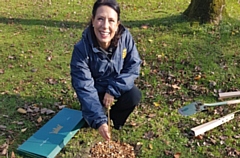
(206, 11)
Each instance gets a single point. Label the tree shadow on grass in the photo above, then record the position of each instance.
(166, 21)
(45, 22)
(170, 20)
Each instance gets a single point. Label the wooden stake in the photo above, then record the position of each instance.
(201, 129)
(225, 95)
(109, 125)
(109, 128)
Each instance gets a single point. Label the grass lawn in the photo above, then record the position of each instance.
(182, 63)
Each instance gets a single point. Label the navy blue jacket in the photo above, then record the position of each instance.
(93, 72)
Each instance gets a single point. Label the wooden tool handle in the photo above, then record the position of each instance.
(225, 95)
(233, 102)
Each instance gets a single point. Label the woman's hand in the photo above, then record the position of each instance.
(103, 130)
(108, 100)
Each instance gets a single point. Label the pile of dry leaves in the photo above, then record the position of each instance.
(111, 149)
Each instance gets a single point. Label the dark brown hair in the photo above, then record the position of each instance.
(110, 3)
(114, 5)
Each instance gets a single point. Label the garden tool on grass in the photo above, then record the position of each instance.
(198, 106)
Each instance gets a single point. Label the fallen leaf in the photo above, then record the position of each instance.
(2, 127)
(197, 77)
(213, 141)
(36, 109)
(48, 112)
(177, 155)
(51, 81)
(29, 110)
(144, 26)
(150, 146)
(13, 155)
(156, 104)
(11, 57)
(200, 137)
(232, 152)
(139, 143)
(61, 107)
(236, 136)
(34, 70)
(23, 130)
(237, 152)
(166, 142)
(175, 86)
(167, 152)
(39, 120)
(43, 110)
(5, 145)
(138, 146)
(194, 87)
(1, 71)
(223, 137)
(4, 149)
(144, 63)
(151, 115)
(10, 66)
(133, 123)
(159, 56)
(150, 40)
(49, 58)
(149, 135)
(164, 45)
(21, 110)
(20, 123)
(212, 84)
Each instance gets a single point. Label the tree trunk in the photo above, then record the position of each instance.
(206, 11)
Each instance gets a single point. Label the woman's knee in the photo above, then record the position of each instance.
(134, 95)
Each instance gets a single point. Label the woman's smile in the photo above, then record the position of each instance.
(105, 25)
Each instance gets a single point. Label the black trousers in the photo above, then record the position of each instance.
(124, 106)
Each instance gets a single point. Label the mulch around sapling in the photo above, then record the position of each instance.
(112, 149)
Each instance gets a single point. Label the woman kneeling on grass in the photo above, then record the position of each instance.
(104, 65)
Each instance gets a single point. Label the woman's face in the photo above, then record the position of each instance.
(105, 25)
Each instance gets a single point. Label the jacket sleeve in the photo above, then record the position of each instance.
(131, 69)
(83, 84)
